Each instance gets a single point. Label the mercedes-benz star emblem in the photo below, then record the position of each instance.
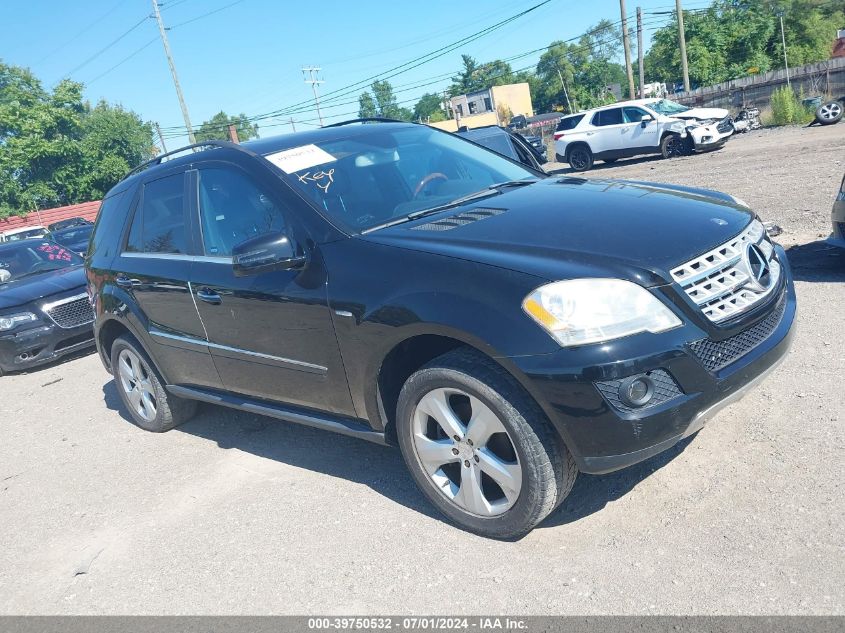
(758, 268)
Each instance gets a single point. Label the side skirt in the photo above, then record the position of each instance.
(313, 419)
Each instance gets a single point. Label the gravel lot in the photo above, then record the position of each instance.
(235, 513)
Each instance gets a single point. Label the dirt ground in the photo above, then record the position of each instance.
(234, 513)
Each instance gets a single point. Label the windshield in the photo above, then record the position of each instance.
(25, 235)
(664, 106)
(31, 258)
(73, 235)
(370, 179)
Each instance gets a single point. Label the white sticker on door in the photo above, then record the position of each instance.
(299, 158)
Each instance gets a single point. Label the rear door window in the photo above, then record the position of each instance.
(608, 117)
(159, 222)
(569, 123)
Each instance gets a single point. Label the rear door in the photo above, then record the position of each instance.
(610, 132)
(154, 269)
(270, 333)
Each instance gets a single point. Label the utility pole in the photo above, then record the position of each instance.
(233, 134)
(161, 138)
(783, 39)
(311, 79)
(565, 93)
(640, 51)
(164, 41)
(292, 124)
(682, 43)
(626, 41)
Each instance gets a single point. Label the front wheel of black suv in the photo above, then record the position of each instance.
(142, 391)
(479, 447)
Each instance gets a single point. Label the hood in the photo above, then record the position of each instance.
(562, 228)
(703, 114)
(29, 289)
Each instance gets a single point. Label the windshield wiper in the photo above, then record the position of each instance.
(477, 195)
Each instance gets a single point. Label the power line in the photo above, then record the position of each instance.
(121, 62)
(205, 15)
(105, 48)
(79, 34)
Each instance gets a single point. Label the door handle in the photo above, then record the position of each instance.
(209, 296)
(125, 282)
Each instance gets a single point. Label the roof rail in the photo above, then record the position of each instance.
(157, 160)
(368, 119)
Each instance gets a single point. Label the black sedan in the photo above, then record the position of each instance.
(75, 238)
(44, 308)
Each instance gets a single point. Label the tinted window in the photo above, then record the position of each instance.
(634, 115)
(608, 117)
(159, 222)
(569, 122)
(233, 209)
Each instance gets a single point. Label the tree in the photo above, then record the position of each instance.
(366, 106)
(587, 67)
(382, 103)
(734, 38)
(217, 127)
(56, 148)
(475, 76)
(429, 108)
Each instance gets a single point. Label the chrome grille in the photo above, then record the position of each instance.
(721, 281)
(70, 312)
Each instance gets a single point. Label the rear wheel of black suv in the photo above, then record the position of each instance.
(479, 447)
(142, 391)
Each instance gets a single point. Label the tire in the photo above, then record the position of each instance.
(829, 113)
(142, 390)
(672, 146)
(580, 158)
(511, 476)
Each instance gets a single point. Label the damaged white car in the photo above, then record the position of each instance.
(634, 128)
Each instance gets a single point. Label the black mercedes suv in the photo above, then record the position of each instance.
(399, 284)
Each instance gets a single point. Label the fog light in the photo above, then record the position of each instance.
(636, 391)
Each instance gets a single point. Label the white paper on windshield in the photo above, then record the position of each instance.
(299, 158)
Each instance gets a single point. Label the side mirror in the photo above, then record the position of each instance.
(264, 253)
(645, 120)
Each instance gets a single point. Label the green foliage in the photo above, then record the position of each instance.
(217, 128)
(382, 103)
(734, 38)
(56, 148)
(789, 109)
(474, 76)
(587, 67)
(429, 108)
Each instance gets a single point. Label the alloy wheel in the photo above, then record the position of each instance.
(830, 111)
(135, 379)
(675, 147)
(466, 451)
(578, 159)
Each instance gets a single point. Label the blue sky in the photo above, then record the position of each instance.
(246, 55)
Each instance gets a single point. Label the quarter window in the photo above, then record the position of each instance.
(608, 117)
(233, 209)
(159, 222)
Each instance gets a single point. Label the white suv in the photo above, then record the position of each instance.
(632, 128)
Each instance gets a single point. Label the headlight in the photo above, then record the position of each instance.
(582, 311)
(11, 321)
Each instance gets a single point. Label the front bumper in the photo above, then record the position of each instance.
(601, 436)
(708, 138)
(42, 344)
